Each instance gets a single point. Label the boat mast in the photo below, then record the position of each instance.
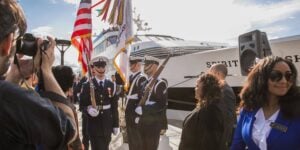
(140, 24)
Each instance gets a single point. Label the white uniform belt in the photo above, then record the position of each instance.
(103, 107)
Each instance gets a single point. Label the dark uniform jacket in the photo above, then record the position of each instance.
(103, 124)
(27, 120)
(136, 89)
(153, 110)
(204, 129)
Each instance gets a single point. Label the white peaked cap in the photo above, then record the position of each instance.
(136, 58)
(99, 59)
(151, 59)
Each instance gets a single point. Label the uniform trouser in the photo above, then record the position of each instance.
(165, 121)
(85, 136)
(100, 142)
(150, 136)
(134, 137)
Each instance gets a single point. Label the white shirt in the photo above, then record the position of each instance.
(261, 128)
(98, 81)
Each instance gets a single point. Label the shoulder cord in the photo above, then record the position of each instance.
(131, 88)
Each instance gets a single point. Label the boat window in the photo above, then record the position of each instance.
(111, 40)
(99, 48)
(158, 38)
(136, 39)
(143, 38)
(154, 38)
(168, 39)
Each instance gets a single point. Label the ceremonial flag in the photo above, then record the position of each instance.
(125, 37)
(81, 36)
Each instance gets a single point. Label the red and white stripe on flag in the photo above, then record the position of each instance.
(125, 37)
(81, 36)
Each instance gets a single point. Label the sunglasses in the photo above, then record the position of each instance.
(100, 65)
(276, 76)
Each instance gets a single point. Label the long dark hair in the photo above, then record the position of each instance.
(255, 90)
(211, 89)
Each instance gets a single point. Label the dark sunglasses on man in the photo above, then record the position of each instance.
(100, 64)
(276, 76)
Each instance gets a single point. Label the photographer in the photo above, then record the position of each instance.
(26, 119)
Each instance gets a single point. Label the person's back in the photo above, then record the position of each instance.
(64, 76)
(27, 119)
(228, 101)
(22, 124)
(204, 128)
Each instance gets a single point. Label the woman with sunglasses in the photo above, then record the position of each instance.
(270, 117)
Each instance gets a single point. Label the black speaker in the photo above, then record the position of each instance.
(252, 46)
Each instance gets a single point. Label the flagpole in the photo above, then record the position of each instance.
(92, 86)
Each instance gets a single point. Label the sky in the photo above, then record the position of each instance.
(197, 20)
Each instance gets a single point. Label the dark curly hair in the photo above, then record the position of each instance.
(255, 90)
(12, 18)
(64, 76)
(211, 89)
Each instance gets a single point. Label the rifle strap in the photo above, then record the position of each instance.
(56, 98)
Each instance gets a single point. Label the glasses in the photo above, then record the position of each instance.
(276, 76)
(99, 66)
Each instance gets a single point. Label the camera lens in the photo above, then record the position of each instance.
(27, 45)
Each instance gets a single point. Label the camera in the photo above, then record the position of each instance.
(27, 45)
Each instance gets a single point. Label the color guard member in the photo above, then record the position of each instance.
(152, 113)
(135, 81)
(104, 119)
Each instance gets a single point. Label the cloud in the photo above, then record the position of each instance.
(212, 20)
(76, 2)
(43, 31)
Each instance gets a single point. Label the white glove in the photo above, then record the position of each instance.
(93, 111)
(136, 120)
(134, 96)
(138, 110)
(116, 131)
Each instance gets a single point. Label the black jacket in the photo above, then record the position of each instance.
(103, 124)
(154, 114)
(28, 120)
(136, 89)
(203, 129)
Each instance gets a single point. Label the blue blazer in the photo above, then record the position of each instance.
(288, 137)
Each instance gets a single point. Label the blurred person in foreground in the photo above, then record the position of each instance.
(270, 117)
(228, 102)
(204, 127)
(26, 119)
(64, 76)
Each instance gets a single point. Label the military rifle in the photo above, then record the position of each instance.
(92, 86)
(153, 81)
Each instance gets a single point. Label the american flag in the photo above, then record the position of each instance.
(125, 37)
(82, 33)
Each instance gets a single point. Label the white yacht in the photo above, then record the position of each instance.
(182, 71)
(149, 44)
(190, 59)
